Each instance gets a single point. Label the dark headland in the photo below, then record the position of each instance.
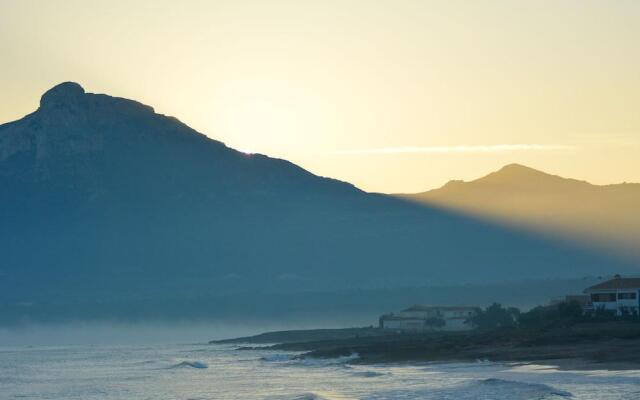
(582, 346)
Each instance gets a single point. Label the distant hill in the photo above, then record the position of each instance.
(608, 215)
(108, 208)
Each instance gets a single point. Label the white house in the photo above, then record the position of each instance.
(621, 295)
(420, 318)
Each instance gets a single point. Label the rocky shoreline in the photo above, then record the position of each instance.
(587, 346)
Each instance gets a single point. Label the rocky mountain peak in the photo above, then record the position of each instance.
(67, 93)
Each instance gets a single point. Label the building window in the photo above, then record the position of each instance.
(603, 297)
(627, 296)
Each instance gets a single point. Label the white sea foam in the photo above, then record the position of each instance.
(298, 359)
(110, 373)
(322, 362)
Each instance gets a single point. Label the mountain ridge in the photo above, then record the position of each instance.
(516, 172)
(604, 215)
(113, 205)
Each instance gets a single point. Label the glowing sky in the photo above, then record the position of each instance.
(393, 96)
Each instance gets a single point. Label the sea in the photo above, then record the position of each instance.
(203, 371)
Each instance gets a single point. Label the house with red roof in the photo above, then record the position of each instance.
(619, 294)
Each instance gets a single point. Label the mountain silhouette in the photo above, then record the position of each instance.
(106, 204)
(604, 215)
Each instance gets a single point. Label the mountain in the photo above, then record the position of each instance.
(607, 216)
(110, 209)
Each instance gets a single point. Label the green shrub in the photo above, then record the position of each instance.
(495, 316)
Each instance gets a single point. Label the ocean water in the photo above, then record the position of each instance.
(200, 371)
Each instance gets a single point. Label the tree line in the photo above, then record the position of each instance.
(564, 314)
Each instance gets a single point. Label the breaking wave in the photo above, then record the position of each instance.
(491, 388)
(309, 361)
(368, 374)
(323, 362)
(277, 357)
(312, 396)
(521, 390)
(191, 364)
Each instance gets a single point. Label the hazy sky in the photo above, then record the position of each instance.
(390, 95)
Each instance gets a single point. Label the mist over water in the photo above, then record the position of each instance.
(145, 332)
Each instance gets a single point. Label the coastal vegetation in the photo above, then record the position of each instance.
(546, 333)
(560, 315)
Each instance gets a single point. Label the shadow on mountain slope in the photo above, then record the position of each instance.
(108, 202)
